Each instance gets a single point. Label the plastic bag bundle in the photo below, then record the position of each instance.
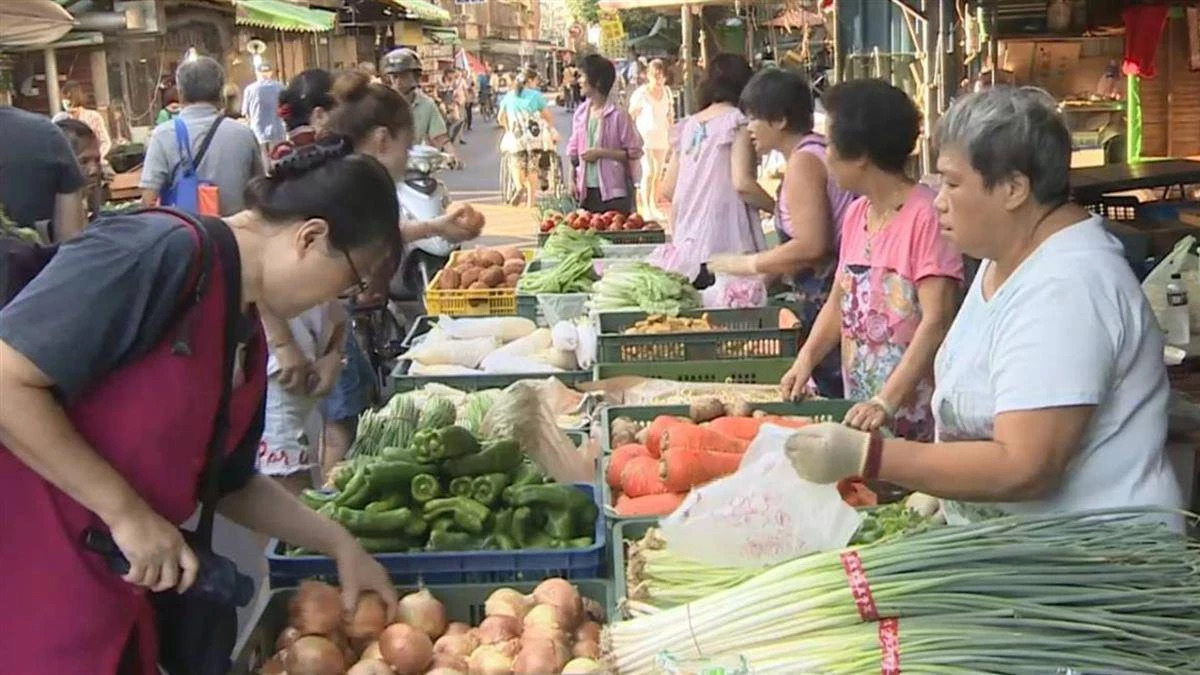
(467, 353)
(729, 292)
(528, 413)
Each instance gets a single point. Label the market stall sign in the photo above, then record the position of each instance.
(284, 16)
(424, 11)
(435, 51)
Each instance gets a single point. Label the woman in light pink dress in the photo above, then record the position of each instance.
(712, 176)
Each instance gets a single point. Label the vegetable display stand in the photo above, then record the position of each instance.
(820, 410)
(613, 252)
(568, 305)
(624, 532)
(622, 236)
(728, 371)
(470, 302)
(455, 567)
(463, 602)
(737, 334)
(401, 381)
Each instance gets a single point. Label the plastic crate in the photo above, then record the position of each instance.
(463, 602)
(622, 532)
(459, 567)
(741, 334)
(621, 236)
(827, 409)
(612, 251)
(729, 371)
(401, 381)
(527, 303)
(466, 302)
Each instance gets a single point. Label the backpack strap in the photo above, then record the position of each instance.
(208, 137)
(183, 143)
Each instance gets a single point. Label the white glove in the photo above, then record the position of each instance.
(828, 452)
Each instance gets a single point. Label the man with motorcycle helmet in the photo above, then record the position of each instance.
(402, 72)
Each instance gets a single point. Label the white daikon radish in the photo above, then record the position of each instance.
(441, 369)
(523, 348)
(467, 353)
(504, 328)
(509, 364)
(561, 358)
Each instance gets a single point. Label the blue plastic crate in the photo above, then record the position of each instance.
(459, 567)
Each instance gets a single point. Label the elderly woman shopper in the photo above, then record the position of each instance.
(1051, 391)
(114, 363)
(604, 144)
(712, 177)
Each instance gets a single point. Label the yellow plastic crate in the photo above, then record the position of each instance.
(478, 302)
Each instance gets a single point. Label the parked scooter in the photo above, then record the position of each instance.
(422, 197)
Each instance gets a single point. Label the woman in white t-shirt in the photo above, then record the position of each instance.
(1051, 391)
(652, 110)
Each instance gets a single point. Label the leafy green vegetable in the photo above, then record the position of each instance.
(639, 285)
(565, 241)
(572, 274)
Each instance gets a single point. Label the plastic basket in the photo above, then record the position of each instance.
(458, 567)
(621, 236)
(401, 381)
(729, 371)
(528, 305)
(623, 532)
(463, 602)
(467, 302)
(752, 333)
(822, 410)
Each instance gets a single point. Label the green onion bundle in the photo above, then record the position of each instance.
(1105, 589)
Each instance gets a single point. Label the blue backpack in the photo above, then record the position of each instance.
(185, 189)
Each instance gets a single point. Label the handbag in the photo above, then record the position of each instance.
(197, 635)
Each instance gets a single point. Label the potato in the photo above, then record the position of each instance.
(450, 280)
(706, 409)
(740, 408)
(490, 257)
(623, 436)
(465, 258)
(492, 276)
(468, 277)
(512, 253)
(514, 266)
(641, 436)
(510, 280)
(478, 286)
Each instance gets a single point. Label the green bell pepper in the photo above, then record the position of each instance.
(486, 489)
(388, 503)
(387, 478)
(451, 541)
(527, 529)
(562, 523)
(550, 495)
(496, 457)
(579, 542)
(502, 520)
(528, 473)
(395, 454)
(468, 514)
(500, 541)
(357, 493)
(460, 487)
(374, 524)
(385, 544)
(425, 486)
(315, 499)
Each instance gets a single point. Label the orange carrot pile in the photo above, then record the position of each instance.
(685, 468)
(619, 458)
(650, 505)
(640, 477)
(691, 437)
(658, 428)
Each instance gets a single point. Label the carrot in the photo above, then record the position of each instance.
(650, 505)
(701, 438)
(619, 458)
(742, 428)
(640, 478)
(685, 468)
(654, 433)
(789, 422)
(856, 493)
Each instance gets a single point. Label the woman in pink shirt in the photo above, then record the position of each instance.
(897, 283)
(604, 146)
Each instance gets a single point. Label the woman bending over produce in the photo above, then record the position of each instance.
(808, 205)
(897, 277)
(1051, 391)
(112, 370)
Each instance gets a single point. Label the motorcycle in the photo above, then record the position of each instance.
(422, 197)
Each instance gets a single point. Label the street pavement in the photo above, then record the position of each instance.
(479, 183)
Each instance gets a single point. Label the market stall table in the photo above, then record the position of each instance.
(1089, 184)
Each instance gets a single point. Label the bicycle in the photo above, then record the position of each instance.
(380, 336)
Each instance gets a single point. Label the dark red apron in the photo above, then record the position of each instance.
(65, 612)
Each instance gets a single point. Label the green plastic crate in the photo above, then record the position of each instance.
(464, 602)
(728, 371)
(828, 409)
(742, 334)
(622, 532)
(612, 251)
(621, 236)
(527, 303)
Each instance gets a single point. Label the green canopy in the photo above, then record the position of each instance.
(424, 11)
(281, 15)
(442, 36)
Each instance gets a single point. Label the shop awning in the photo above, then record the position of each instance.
(424, 11)
(282, 15)
(442, 35)
(32, 23)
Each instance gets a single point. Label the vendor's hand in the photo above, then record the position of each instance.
(868, 416)
(732, 264)
(358, 572)
(923, 504)
(158, 556)
(591, 155)
(294, 368)
(828, 452)
(794, 385)
(325, 374)
(460, 223)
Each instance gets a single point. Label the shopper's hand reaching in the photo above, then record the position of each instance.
(868, 415)
(158, 556)
(461, 222)
(828, 452)
(294, 368)
(358, 572)
(794, 384)
(733, 265)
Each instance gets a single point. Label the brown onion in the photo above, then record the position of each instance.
(424, 612)
(588, 630)
(316, 609)
(543, 632)
(370, 667)
(541, 656)
(491, 660)
(450, 661)
(371, 652)
(507, 602)
(462, 644)
(456, 628)
(582, 666)
(273, 665)
(315, 655)
(447, 670)
(498, 629)
(589, 649)
(286, 637)
(562, 594)
(593, 610)
(548, 616)
(405, 648)
(370, 617)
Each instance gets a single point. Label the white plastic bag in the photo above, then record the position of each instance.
(763, 514)
(1184, 260)
(730, 292)
(505, 328)
(466, 353)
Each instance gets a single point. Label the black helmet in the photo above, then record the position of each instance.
(401, 60)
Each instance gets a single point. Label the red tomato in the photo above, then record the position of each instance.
(618, 220)
(637, 217)
(601, 226)
(547, 225)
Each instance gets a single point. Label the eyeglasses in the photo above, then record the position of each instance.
(362, 283)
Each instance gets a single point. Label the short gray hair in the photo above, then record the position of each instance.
(200, 80)
(1009, 130)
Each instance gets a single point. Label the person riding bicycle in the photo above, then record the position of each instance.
(402, 71)
(529, 132)
(483, 84)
